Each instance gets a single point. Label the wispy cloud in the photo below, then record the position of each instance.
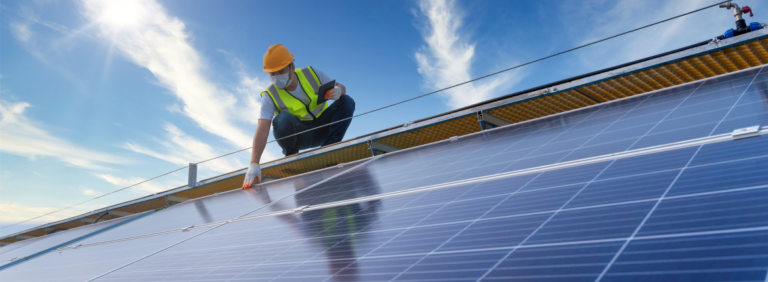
(147, 35)
(21, 31)
(589, 21)
(448, 55)
(21, 136)
(181, 149)
(11, 212)
(249, 89)
(90, 192)
(144, 188)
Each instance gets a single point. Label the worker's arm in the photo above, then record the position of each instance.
(259, 143)
(260, 139)
(343, 88)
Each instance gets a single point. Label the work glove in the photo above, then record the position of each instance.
(333, 94)
(253, 175)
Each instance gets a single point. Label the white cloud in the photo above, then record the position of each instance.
(91, 192)
(448, 56)
(587, 22)
(144, 188)
(151, 38)
(250, 88)
(21, 136)
(21, 32)
(11, 212)
(181, 149)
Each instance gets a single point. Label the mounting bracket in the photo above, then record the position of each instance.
(746, 132)
(378, 148)
(488, 121)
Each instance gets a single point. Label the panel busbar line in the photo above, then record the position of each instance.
(559, 225)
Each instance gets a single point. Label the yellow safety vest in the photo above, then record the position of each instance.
(285, 102)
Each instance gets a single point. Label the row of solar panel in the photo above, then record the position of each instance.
(566, 224)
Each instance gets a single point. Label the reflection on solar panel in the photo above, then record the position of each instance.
(32, 248)
(651, 187)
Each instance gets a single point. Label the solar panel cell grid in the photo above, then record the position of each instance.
(547, 232)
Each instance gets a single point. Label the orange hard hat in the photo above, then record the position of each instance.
(276, 58)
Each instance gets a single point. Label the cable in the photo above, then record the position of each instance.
(398, 103)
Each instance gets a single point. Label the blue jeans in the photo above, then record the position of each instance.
(286, 124)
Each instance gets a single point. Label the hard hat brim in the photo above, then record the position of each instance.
(276, 68)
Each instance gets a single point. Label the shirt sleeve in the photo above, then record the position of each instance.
(268, 108)
(324, 78)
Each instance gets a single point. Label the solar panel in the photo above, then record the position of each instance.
(30, 248)
(695, 213)
(518, 228)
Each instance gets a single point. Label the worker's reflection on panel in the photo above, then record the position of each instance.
(203, 212)
(333, 229)
(763, 87)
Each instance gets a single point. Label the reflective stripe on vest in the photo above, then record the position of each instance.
(285, 102)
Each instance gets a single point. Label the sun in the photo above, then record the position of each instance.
(122, 14)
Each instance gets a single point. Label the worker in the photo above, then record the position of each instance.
(290, 105)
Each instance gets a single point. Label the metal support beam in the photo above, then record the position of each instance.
(24, 237)
(50, 230)
(378, 148)
(172, 199)
(192, 175)
(488, 121)
(3, 244)
(119, 213)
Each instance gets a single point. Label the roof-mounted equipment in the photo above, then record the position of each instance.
(741, 24)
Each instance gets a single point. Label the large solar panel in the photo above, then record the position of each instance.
(566, 224)
(696, 213)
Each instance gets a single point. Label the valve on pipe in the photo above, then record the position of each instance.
(741, 24)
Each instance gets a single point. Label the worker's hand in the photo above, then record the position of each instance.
(333, 94)
(253, 175)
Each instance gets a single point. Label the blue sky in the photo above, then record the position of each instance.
(96, 95)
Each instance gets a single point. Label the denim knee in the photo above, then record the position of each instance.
(283, 124)
(346, 104)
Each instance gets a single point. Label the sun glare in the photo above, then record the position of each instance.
(122, 14)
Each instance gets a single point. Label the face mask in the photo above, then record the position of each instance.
(281, 81)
